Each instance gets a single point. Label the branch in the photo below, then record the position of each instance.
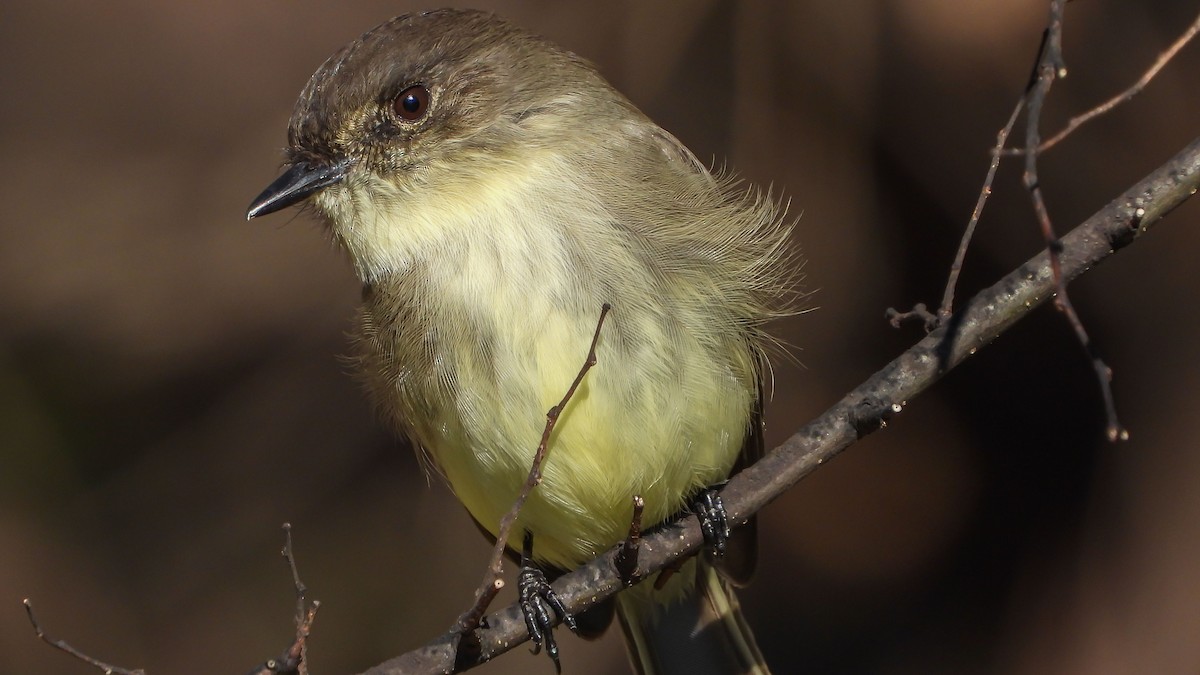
(865, 409)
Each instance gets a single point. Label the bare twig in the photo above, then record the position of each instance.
(627, 559)
(290, 558)
(492, 583)
(980, 320)
(62, 646)
(294, 658)
(1126, 95)
(919, 311)
(1049, 68)
(947, 307)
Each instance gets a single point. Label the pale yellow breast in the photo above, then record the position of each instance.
(501, 284)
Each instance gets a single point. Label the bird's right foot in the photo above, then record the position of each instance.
(540, 605)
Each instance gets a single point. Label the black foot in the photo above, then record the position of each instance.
(714, 522)
(539, 604)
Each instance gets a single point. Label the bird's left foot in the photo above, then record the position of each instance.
(539, 605)
(714, 521)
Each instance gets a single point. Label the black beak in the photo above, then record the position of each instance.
(296, 184)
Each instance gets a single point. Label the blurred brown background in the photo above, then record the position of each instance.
(170, 392)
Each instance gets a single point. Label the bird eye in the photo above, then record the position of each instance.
(412, 103)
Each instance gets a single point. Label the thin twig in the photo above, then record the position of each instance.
(947, 307)
(919, 311)
(62, 646)
(627, 559)
(290, 558)
(305, 614)
(1126, 95)
(1050, 67)
(294, 659)
(492, 583)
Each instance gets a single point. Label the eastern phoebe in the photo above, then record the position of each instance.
(493, 191)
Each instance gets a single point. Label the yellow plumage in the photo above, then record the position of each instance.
(480, 313)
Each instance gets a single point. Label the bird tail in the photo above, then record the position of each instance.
(702, 634)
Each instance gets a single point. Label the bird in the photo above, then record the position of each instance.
(493, 192)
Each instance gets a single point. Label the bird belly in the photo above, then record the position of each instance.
(623, 433)
(662, 414)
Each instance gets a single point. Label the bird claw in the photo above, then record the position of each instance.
(714, 521)
(539, 605)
